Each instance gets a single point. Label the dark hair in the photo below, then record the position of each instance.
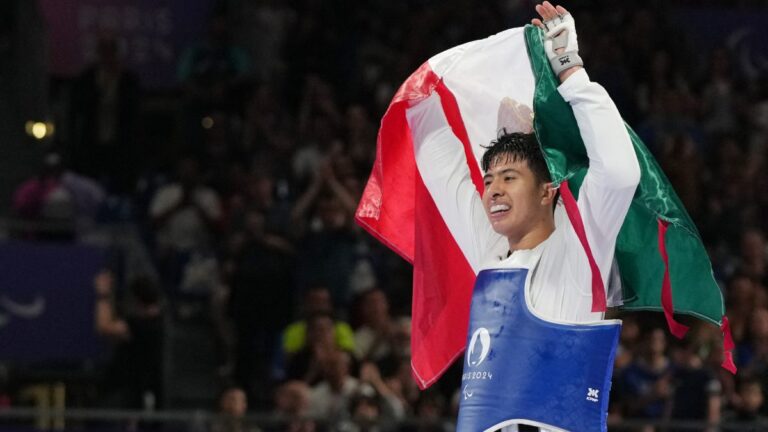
(516, 147)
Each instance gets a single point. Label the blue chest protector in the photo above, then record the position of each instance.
(519, 368)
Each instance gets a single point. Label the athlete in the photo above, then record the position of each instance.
(513, 224)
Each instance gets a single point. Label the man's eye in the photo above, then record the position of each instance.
(508, 178)
(487, 183)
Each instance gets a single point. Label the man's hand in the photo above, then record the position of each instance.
(560, 41)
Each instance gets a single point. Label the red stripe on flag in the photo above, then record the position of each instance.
(728, 363)
(727, 337)
(728, 345)
(443, 269)
(397, 209)
(453, 115)
(443, 282)
(676, 328)
(572, 209)
(386, 209)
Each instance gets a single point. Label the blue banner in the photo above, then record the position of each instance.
(47, 302)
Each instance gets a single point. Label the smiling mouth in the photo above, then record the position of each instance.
(498, 209)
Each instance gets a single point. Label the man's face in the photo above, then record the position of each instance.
(514, 200)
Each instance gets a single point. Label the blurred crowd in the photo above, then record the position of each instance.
(247, 204)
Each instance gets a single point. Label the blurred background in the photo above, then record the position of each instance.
(178, 182)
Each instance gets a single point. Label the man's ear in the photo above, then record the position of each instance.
(548, 193)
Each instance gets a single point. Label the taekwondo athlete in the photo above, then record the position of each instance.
(537, 354)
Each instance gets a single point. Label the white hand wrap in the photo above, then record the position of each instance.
(561, 33)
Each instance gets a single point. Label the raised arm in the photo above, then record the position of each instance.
(107, 324)
(443, 166)
(614, 172)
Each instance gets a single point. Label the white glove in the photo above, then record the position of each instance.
(561, 33)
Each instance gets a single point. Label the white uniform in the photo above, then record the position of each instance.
(560, 287)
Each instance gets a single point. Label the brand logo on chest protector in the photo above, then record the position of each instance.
(482, 337)
(592, 394)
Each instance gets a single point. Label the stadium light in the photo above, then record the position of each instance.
(39, 130)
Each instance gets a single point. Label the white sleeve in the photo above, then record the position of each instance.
(614, 172)
(442, 164)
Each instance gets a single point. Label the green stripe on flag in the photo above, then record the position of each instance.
(694, 290)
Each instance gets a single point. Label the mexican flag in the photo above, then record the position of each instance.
(484, 85)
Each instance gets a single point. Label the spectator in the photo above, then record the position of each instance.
(430, 414)
(330, 398)
(105, 111)
(212, 69)
(292, 405)
(327, 186)
(374, 337)
(60, 196)
(319, 120)
(261, 265)
(365, 412)
(389, 406)
(402, 337)
(330, 244)
(307, 363)
(258, 193)
(133, 379)
(398, 378)
(185, 214)
(395, 367)
(233, 405)
(317, 300)
(697, 392)
(647, 380)
(748, 406)
(753, 258)
(743, 297)
(752, 351)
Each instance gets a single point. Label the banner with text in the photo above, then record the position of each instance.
(151, 33)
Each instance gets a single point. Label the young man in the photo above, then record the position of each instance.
(513, 221)
(513, 226)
